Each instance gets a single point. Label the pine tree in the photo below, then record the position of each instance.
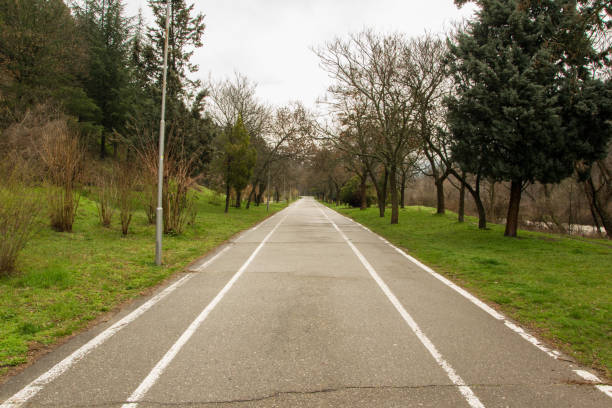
(186, 31)
(107, 32)
(40, 58)
(509, 117)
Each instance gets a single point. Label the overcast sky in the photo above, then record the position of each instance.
(270, 41)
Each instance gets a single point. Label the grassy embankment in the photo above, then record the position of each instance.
(65, 280)
(559, 287)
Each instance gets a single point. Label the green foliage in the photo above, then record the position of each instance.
(185, 36)
(555, 284)
(519, 114)
(350, 193)
(106, 30)
(240, 156)
(40, 51)
(67, 280)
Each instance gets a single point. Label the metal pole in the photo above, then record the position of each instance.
(159, 213)
(268, 203)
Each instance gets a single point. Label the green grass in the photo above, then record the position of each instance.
(560, 287)
(65, 280)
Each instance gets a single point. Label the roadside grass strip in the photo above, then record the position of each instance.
(586, 375)
(67, 280)
(38, 384)
(464, 389)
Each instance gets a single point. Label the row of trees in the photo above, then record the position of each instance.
(520, 94)
(80, 96)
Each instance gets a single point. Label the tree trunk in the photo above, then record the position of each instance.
(381, 190)
(227, 196)
(461, 211)
(238, 198)
(394, 196)
(403, 190)
(598, 206)
(103, 145)
(516, 187)
(440, 195)
(251, 194)
(363, 192)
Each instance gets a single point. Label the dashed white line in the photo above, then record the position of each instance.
(161, 366)
(464, 389)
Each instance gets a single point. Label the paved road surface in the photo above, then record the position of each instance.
(306, 310)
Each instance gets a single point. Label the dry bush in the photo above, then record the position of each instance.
(125, 182)
(177, 197)
(62, 157)
(106, 197)
(20, 206)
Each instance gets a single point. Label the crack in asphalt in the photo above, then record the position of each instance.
(313, 392)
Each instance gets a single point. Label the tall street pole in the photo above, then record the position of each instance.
(159, 213)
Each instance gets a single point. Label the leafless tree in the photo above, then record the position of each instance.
(373, 68)
(236, 97)
(287, 137)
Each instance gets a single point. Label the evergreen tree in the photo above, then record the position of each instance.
(40, 58)
(107, 32)
(509, 117)
(186, 31)
(238, 160)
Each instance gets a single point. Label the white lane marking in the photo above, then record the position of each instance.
(38, 384)
(465, 390)
(211, 260)
(161, 366)
(588, 376)
(512, 326)
(606, 389)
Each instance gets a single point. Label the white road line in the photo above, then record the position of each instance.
(606, 389)
(590, 377)
(161, 366)
(465, 390)
(483, 306)
(38, 384)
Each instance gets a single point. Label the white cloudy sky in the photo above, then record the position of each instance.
(270, 41)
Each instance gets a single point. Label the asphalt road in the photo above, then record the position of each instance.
(308, 309)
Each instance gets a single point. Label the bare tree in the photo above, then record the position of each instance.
(429, 83)
(237, 97)
(373, 68)
(288, 136)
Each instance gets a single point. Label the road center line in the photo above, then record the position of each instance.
(465, 390)
(162, 364)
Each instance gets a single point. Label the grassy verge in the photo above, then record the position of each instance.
(68, 279)
(557, 286)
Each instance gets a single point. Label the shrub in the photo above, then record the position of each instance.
(350, 195)
(177, 197)
(62, 157)
(107, 196)
(125, 181)
(20, 206)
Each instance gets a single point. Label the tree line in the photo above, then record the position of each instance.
(520, 94)
(80, 96)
